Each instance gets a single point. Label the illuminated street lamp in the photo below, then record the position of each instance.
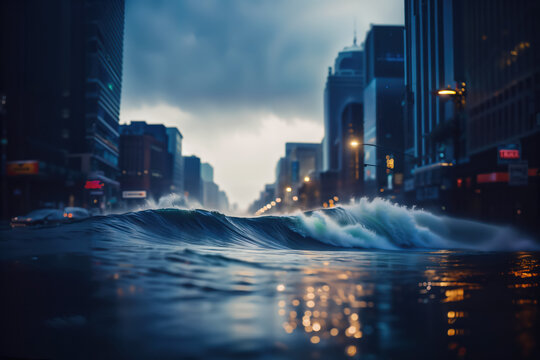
(306, 179)
(458, 95)
(354, 143)
(288, 189)
(446, 92)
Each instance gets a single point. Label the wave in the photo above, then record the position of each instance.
(376, 224)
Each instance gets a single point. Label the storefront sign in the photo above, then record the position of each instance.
(24, 167)
(134, 194)
(509, 153)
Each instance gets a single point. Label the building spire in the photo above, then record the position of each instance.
(354, 39)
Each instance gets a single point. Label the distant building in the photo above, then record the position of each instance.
(383, 113)
(266, 196)
(207, 172)
(145, 163)
(192, 180)
(62, 84)
(210, 195)
(174, 148)
(343, 118)
(304, 159)
(223, 201)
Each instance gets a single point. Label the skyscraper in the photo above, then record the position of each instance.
(145, 163)
(383, 113)
(434, 136)
(343, 118)
(193, 186)
(175, 149)
(61, 74)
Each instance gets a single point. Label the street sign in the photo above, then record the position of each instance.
(509, 153)
(134, 194)
(23, 167)
(518, 174)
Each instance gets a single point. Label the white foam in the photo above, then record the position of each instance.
(380, 224)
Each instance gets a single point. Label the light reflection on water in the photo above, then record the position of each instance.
(219, 303)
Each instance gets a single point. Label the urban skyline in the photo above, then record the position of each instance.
(290, 49)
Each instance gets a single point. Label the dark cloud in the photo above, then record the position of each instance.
(266, 54)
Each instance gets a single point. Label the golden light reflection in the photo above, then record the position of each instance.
(329, 312)
(351, 350)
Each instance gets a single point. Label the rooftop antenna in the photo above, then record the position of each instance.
(354, 22)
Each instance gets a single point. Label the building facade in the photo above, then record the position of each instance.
(434, 136)
(476, 148)
(383, 112)
(502, 71)
(145, 163)
(62, 86)
(193, 185)
(175, 150)
(343, 119)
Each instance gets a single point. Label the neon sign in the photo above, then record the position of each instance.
(509, 154)
(94, 185)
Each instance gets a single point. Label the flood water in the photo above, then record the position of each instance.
(170, 284)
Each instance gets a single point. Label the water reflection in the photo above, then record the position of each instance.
(359, 311)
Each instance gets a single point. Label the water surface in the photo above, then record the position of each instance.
(372, 281)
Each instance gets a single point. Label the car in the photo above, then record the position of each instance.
(75, 213)
(38, 217)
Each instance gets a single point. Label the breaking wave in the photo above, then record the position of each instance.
(376, 224)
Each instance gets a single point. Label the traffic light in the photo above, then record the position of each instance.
(389, 162)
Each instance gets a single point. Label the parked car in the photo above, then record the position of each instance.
(38, 217)
(75, 213)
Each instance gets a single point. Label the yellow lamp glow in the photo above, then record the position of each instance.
(446, 92)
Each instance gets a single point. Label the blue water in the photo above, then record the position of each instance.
(374, 280)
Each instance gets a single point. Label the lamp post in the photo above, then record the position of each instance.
(355, 144)
(458, 96)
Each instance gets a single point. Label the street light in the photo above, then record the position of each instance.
(288, 189)
(446, 92)
(355, 144)
(306, 179)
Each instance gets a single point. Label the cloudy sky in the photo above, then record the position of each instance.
(239, 78)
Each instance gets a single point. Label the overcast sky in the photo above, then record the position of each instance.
(239, 78)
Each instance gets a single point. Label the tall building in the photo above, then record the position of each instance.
(207, 172)
(476, 149)
(501, 57)
(343, 118)
(210, 195)
(175, 150)
(304, 159)
(145, 163)
(434, 136)
(192, 180)
(383, 113)
(61, 75)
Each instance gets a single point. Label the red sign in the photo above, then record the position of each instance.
(94, 185)
(25, 167)
(510, 154)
